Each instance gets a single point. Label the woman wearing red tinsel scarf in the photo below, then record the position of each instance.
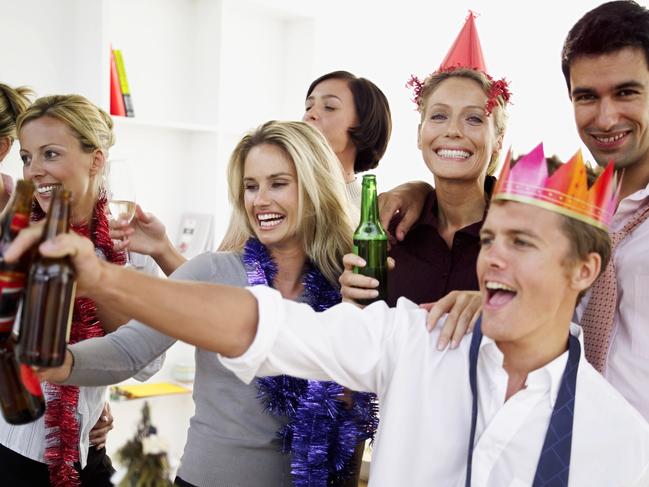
(64, 141)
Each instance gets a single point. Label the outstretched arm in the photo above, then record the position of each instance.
(356, 348)
(211, 316)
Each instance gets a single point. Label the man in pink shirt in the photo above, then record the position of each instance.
(605, 61)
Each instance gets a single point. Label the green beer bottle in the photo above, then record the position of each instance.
(371, 241)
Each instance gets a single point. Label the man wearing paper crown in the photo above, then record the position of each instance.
(519, 406)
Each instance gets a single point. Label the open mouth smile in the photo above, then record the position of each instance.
(268, 221)
(457, 154)
(498, 294)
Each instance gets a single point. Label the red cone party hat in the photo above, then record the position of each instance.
(466, 51)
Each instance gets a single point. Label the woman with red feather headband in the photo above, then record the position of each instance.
(460, 136)
(64, 141)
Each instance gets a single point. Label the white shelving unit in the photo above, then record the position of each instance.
(201, 73)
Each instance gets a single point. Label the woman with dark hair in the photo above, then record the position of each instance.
(354, 116)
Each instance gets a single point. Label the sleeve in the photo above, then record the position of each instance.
(117, 356)
(357, 348)
(133, 347)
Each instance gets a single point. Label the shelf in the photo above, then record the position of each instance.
(143, 123)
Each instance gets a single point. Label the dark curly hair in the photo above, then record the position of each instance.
(608, 28)
(372, 133)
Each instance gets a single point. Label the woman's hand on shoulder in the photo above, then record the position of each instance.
(463, 308)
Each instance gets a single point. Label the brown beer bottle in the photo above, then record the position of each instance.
(21, 396)
(49, 299)
(13, 276)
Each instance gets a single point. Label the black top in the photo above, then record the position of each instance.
(426, 268)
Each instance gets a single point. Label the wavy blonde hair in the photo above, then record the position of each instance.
(13, 101)
(324, 224)
(91, 125)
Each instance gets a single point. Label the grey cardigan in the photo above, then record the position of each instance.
(231, 440)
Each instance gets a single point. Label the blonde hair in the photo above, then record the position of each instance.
(13, 101)
(324, 224)
(432, 82)
(91, 125)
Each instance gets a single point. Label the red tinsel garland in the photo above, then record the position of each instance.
(499, 88)
(62, 449)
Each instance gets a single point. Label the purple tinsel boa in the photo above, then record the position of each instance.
(322, 432)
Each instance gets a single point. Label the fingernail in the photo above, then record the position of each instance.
(375, 283)
(441, 345)
(104, 418)
(454, 344)
(375, 293)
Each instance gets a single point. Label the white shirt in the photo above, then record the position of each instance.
(627, 365)
(425, 399)
(29, 439)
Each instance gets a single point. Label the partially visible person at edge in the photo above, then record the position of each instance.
(460, 134)
(64, 141)
(605, 61)
(290, 229)
(13, 101)
(517, 406)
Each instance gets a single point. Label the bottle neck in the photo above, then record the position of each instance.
(58, 218)
(17, 216)
(369, 202)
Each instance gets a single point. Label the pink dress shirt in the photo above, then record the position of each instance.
(627, 365)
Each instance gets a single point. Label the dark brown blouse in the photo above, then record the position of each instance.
(426, 268)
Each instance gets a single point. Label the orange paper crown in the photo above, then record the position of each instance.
(566, 191)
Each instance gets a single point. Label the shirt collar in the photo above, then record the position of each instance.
(548, 375)
(639, 195)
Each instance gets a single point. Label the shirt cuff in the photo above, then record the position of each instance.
(270, 306)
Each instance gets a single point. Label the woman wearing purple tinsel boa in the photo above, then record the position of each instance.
(289, 229)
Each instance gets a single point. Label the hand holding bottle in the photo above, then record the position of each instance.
(371, 241)
(355, 287)
(80, 250)
(58, 374)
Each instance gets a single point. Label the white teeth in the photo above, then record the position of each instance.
(608, 140)
(498, 285)
(453, 153)
(269, 216)
(269, 220)
(46, 189)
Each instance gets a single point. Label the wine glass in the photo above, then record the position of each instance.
(121, 191)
